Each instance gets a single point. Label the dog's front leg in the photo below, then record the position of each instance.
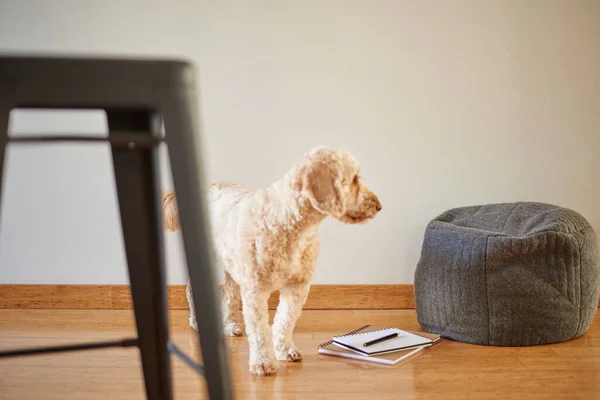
(291, 301)
(256, 317)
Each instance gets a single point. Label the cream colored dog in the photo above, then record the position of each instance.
(267, 240)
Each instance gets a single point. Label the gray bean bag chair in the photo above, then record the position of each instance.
(508, 275)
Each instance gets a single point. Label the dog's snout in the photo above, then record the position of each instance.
(378, 206)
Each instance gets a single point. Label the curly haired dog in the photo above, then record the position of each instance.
(267, 240)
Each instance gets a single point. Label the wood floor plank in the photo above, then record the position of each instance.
(449, 370)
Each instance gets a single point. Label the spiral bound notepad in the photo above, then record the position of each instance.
(390, 357)
(404, 340)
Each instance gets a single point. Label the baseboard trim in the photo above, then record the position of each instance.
(117, 297)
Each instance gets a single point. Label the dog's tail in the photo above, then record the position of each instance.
(170, 214)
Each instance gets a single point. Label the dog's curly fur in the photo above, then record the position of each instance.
(267, 240)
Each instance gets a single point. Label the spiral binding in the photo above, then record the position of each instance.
(354, 332)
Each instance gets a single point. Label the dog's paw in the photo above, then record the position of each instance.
(290, 354)
(193, 323)
(264, 368)
(233, 329)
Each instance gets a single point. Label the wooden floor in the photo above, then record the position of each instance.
(448, 370)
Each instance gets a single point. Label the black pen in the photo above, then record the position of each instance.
(381, 339)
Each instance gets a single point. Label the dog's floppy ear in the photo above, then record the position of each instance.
(170, 213)
(322, 185)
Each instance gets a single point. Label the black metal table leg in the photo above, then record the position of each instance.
(182, 139)
(4, 117)
(138, 188)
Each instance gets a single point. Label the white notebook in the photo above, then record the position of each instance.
(394, 357)
(404, 341)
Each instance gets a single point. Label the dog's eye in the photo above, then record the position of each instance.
(355, 181)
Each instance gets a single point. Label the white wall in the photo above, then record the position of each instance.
(446, 103)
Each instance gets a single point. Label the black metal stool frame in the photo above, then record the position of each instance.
(137, 96)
